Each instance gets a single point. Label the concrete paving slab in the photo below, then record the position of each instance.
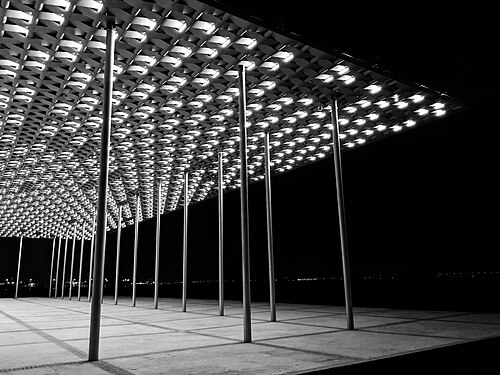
(317, 308)
(336, 309)
(238, 310)
(229, 359)
(191, 305)
(79, 368)
(476, 317)
(432, 328)
(411, 314)
(135, 345)
(340, 322)
(266, 330)
(49, 317)
(77, 322)
(149, 317)
(201, 323)
(285, 314)
(35, 354)
(117, 330)
(360, 344)
(144, 340)
(20, 337)
(12, 327)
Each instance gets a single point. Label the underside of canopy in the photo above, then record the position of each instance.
(175, 106)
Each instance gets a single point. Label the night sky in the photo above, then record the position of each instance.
(418, 202)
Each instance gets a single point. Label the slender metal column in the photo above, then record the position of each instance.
(184, 243)
(136, 239)
(72, 260)
(103, 273)
(91, 264)
(221, 235)
(118, 244)
(81, 262)
(64, 264)
(342, 224)
(269, 211)
(52, 266)
(245, 254)
(157, 246)
(19, 265)
(95, 312)
(57, 266)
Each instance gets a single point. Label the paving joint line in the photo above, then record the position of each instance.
(406, 320)
(111, 368)
(101, 364)
(372, 330)
(47, 336)
(324, 354)
(310, 317)
(12, 369)
(195, 330)
(168, 351)
(147, 308)
(431, 318)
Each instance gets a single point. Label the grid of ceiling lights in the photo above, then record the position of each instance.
(175, 107)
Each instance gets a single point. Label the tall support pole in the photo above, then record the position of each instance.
(157, 244)
(57, 266)
(136, 241)
(64, 264)
(270, 245)
(245, 254)
(19, 265)
(72, 260)
(81, 262)
(342, 226)
(95, 312)
(221, 234)
(184, 242)
(118, 245)
(91, 264)
(52, 266)
(103, 271)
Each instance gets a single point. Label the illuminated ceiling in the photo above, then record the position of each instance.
(175, 106)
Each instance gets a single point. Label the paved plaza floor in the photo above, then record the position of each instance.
(50, 336)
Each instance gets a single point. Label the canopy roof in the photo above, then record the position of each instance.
(175, 106)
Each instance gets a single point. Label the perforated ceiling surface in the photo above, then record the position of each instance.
(175, 106)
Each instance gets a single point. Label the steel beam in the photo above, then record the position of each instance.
(18, 265)
(118, 245)
(184, 243)
(341, 212)
(103, 270)
(136, 240)
(91, 264)
(57, 266)
(72, 260)
(95, 312)
(64, 264)
(157, 245)
(81, 262)
(221, 233)
(270, 242)
(245, 252)
(52, 266)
